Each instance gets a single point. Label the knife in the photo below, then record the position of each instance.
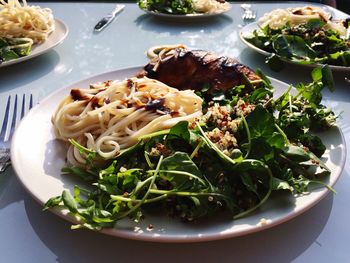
(109, 18)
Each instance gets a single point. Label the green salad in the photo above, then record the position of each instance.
(184, 7)
(12, 48)
(246, 146)
(305, 43)
(168, 6)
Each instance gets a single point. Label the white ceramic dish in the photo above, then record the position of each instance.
(54, 39)
(249, 28)
(38, 157)
(184, 17)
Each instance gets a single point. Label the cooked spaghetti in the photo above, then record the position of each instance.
(300, 15)
(112, 115)
(210, 6)
(21, 20)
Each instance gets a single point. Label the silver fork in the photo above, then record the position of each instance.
(248, 13)
(9, 124)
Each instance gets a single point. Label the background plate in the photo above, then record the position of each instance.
(187, 17)
(38, 157)
(249, 28)
(54, 39)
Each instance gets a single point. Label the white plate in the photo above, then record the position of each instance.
(38, 158)
(249, 28)
(54, 39)
(186, 17)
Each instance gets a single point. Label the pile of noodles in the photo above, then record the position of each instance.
(111, 116)
(300, 15)
(21, 20)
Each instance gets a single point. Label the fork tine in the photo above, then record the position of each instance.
(4, 136)
(5, 122)
(23, 105)
(31, 101)
(14, 118)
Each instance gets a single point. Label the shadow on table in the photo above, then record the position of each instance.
(286, 241)
(7, 182)
(28, 71)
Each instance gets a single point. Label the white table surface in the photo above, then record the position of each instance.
(322, 234)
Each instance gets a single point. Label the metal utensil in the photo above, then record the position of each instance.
(8, 126)
(248, 13)
(105, 21)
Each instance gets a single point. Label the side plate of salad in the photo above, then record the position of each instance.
(279, 48)
(18, 50)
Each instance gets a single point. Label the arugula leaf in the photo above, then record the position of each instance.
(327, 78)
(52, 202)
(296, 153)
(260, 122)
(69, 201)
(180, 130)
(314, 143)
(278, 184)
(7, 54)
(248, 182)
(264, 175)
(293, 47)
(315, 23)
(179, 161)
(300, 184)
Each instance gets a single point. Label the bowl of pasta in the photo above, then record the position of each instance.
(27, 31)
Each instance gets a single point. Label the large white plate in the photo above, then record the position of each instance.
(54, 39)
(186, 17)
(249, 28)
(38, 158)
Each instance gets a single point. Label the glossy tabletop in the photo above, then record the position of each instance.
(322, 234)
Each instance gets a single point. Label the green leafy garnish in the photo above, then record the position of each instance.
(308, 43)
(167, 6)
(12, 48)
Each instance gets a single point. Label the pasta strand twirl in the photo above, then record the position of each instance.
(112, 115)
(21, 20)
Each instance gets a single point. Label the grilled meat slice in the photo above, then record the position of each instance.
(195, 69)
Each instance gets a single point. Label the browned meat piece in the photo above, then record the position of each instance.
(194, 69)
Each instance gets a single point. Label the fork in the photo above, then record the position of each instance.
(248, 13)
(9, 125)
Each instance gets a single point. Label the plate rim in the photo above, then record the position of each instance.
(254, 25)
(168, 238)
(31, 55)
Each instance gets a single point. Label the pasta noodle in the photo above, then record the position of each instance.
(210, 6)
(296, 16)
(17, 20)
(112, 115)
